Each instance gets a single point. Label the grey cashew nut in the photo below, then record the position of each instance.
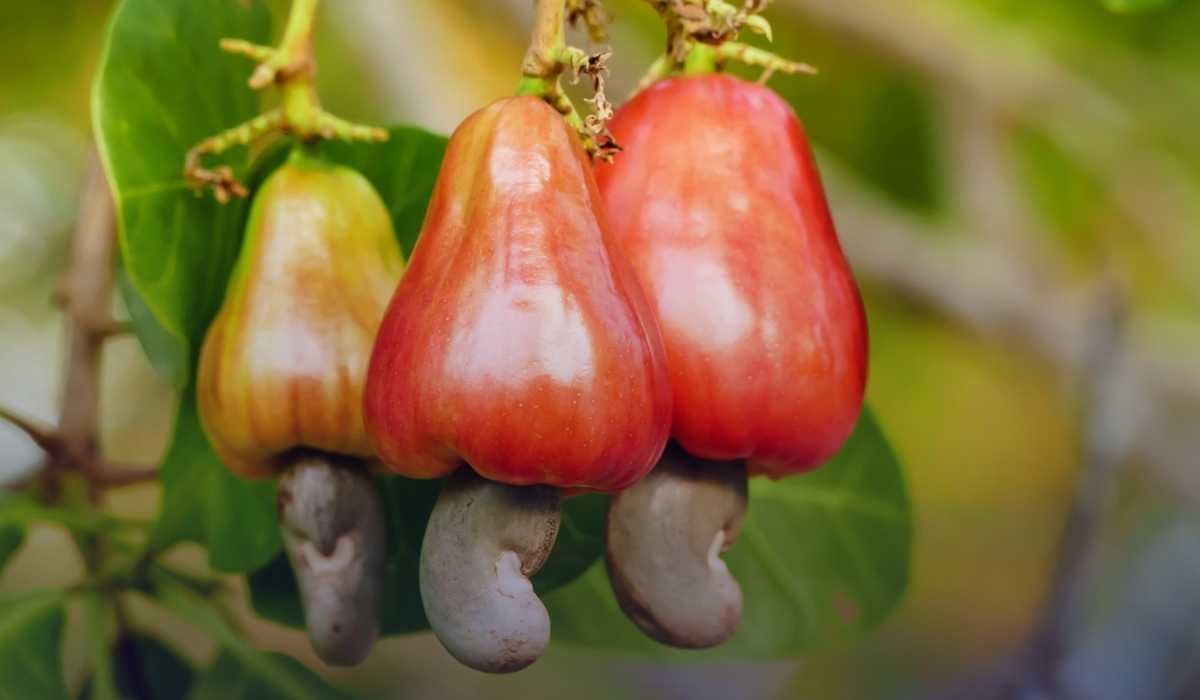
(665, 536)
(483, 542)
(333, 528)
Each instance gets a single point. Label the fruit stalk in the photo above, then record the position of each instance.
(547, 58)
(292, 67)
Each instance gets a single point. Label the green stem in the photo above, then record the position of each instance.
(546, 60)
(548, 40)
(297, 36)
(294, 60)
(753, 56)
(292, 67)
(701, 60)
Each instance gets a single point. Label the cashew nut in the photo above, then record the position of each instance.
(483, 542)
(665, 535)
(333, 527)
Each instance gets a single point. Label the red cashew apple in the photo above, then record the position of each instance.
(718, 205)
(281, 378)
(520, 345)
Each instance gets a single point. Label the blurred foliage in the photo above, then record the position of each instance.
(30, 639)
(1137, 5)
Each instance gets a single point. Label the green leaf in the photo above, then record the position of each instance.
(168, 353)
(18, 511)
(402, 169)
(822, 558)
(163, 86)
(1135, 6)
(206, 503)
(30, 642)
(275, 596)
(580, 542)
(230, 679)
(145, 667)
(11, 539)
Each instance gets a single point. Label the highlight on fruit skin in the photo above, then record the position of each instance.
(519, 347)
(518, 342)
(718, 205)
(280, 384)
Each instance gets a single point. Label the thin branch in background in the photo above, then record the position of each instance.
(85, 295)
(1017, 81)
(990, 200)
(58, 454)
(1033, 673)
(1106, 447)
(44, 437)
(87, 290)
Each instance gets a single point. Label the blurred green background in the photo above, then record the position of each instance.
(996, 168)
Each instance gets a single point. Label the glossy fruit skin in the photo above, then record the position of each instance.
(284, 362)
(517, 343)
(718, 205)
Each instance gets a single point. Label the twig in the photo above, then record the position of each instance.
(1033, 673)
(1150, 186)
(1106, 446)
(44, 437)
(58, 453)
(86, 298)
(88, 293)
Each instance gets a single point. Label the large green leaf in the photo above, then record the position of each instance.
(167, 353)
(822, 558)
(408, 502)
(204, 502)
(163, 86)
(403, 170)
(30, 641)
